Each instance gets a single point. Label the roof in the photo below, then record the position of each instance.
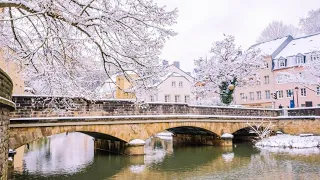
(173, 71)
(302, 45)
(269, 47)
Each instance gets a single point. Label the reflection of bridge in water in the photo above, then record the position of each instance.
(51, 155)
(163, 160)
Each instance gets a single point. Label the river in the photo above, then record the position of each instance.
(72, 156)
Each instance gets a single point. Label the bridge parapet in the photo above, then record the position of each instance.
(305, 111)
(43, 106)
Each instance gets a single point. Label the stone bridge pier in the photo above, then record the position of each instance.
(6, 105)
(184, 135)
(134, 147)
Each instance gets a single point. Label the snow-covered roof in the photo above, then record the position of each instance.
(173, 71)
(269, 47)
(302, 45)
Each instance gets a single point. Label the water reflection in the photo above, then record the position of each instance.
(61, 153)
(72, 157)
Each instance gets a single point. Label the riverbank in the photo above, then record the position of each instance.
(290, 141)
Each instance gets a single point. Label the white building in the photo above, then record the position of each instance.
(176, 86)
(108, 88)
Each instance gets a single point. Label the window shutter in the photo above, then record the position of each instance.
(285, 63)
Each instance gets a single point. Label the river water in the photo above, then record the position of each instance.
(72, 156)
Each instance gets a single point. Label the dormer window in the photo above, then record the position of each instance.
(300, 59)
(282, 63)
(315, 57)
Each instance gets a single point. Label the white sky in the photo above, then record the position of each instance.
(201, 22)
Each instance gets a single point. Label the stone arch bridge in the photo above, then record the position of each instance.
(114, 133)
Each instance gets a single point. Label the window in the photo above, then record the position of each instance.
(250, 82)
(289, 92)
(258, 95)
(186, 99)
(315, 57)
(303, 92)
(300, 59)
(173, 84)
(318, 90)
(267, 94)
(242, 96)
(180, 84)
(167, 98)
(301, 74)
(282, 63)
(151, 98)
(251, 96)
(280, 95)
(266, 80)
(266, 64)
(258, 82)
(282, 78)
(177, 98)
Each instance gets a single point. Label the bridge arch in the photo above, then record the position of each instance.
(21, 136)
(125, 132)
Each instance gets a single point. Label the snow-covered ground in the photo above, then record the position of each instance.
(290, 141)
(292, 151)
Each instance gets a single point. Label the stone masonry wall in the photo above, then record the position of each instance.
(313, 111)
(5, 107)
(41, 106)
(4, 141)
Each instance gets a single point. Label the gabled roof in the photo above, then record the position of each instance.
(174, 72)
(302, 45)
(273, 47)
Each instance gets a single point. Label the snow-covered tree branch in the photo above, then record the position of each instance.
(311, 23)
(69, 47)
(310, 75)
(262, 129)
(226, 64)
(277, 29)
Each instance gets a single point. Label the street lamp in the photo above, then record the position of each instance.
(231, 87)
(297, 89)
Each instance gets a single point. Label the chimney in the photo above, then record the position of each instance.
(165, 62)
(176, 64)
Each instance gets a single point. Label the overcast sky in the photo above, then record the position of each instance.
(202, 22)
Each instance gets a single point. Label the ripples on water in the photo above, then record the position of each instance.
(72, 156)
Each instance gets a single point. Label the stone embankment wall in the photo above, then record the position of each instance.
(6, 106)
(42, 106)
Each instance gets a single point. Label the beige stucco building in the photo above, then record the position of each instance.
(282, 55)
(258, 91)
(293, 58)
(14, 72)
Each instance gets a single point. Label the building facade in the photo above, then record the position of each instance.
(258, 91)
(123, 89)
(14, 72)
(283, 55)
(175, 87)
(292, 59)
